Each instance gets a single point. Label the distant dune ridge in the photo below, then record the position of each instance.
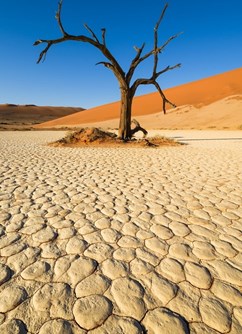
(201, 104)
(14, 116)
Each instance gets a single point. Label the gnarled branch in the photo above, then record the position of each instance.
(161, 17)
(152, 81)
(119, 73)
(104, 36)
(58, 17)
(155, 51)
(137, 128)
(106, 64)
(135, 62)
(92, 33)
(49, 43)
(164, 99)
(168, 68)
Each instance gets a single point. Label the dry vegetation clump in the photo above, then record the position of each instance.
(88, 135)
(100, 138)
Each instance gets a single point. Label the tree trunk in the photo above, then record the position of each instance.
(125, 115)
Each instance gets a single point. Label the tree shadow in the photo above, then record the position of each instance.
(207, 139)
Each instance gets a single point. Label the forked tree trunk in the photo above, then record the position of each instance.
(124, 131)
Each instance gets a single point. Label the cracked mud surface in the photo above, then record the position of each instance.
(105, 240)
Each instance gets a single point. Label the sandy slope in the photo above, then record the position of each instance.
(198, 96)
(222, 114)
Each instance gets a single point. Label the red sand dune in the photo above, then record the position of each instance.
(198, 94)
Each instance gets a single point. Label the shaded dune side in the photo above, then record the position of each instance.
(197, 93)
(32, 113)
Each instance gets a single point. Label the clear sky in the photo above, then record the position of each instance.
(211, 43)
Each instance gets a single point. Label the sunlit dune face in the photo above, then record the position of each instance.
(193, 99)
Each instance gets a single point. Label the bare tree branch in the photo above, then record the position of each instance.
(58, 17)
(168, 68)
(159, 49)
(49, 43)
(134, 63)
(105, 63)
(81, 38)
(91, 32)
(155, 51)
(152, 79)
(161, 17)
(104, 36)
(165, 100)
(162, 47)
(137, 128)
(156, 39)
(42, 55)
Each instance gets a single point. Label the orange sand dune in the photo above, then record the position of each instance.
(225, 114)
(198, 94)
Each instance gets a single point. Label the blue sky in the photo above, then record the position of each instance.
(211, 43)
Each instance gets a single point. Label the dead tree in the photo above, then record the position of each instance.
(127, 87)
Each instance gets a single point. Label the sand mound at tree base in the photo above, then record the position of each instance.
(99, 138)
